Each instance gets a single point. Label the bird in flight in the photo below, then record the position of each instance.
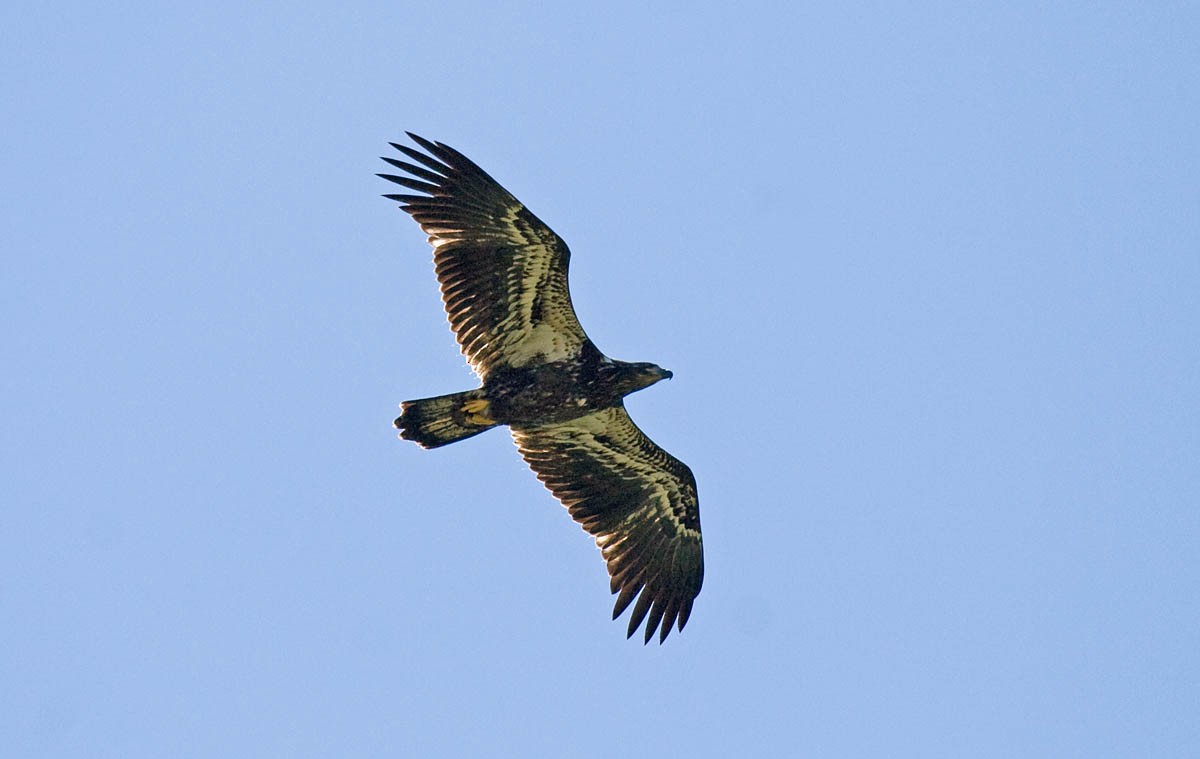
(503, 277)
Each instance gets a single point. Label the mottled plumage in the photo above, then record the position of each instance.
(503, 276)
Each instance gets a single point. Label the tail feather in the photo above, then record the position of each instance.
(434, 422)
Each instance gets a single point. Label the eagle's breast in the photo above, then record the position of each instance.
(545, 393)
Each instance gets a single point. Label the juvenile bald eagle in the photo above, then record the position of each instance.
(503, 276)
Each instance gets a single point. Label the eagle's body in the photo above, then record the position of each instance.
(503, 275)
(559, 391)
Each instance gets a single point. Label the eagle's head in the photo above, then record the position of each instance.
(635, 376)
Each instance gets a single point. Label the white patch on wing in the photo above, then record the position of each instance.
(628, 456)
(532, 340)
(543, 340)
(524, 340)
(515, 339)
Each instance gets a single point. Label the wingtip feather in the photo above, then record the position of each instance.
(664, 632)
(655, 618)
(639, 611)
(427, 144)
(627, 595)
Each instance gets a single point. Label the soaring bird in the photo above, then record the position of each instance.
(503, 277)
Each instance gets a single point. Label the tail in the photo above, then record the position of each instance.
(434, 422)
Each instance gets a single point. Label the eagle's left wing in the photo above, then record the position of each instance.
(637, 500)
(503, 272)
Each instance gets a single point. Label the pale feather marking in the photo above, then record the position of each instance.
(531, 340)
(593, 424)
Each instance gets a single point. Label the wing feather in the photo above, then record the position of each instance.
(639, 503)
(503, 273)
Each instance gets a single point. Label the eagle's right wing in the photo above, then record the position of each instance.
(503, 272)
(637, 500)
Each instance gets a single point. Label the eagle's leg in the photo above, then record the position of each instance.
(477, 411)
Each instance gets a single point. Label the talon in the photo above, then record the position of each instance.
(476, 412)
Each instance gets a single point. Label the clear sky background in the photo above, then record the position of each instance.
(928, 279)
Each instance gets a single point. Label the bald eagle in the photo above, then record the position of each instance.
(503, 276)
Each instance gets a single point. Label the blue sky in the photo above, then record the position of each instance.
(927, 277)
